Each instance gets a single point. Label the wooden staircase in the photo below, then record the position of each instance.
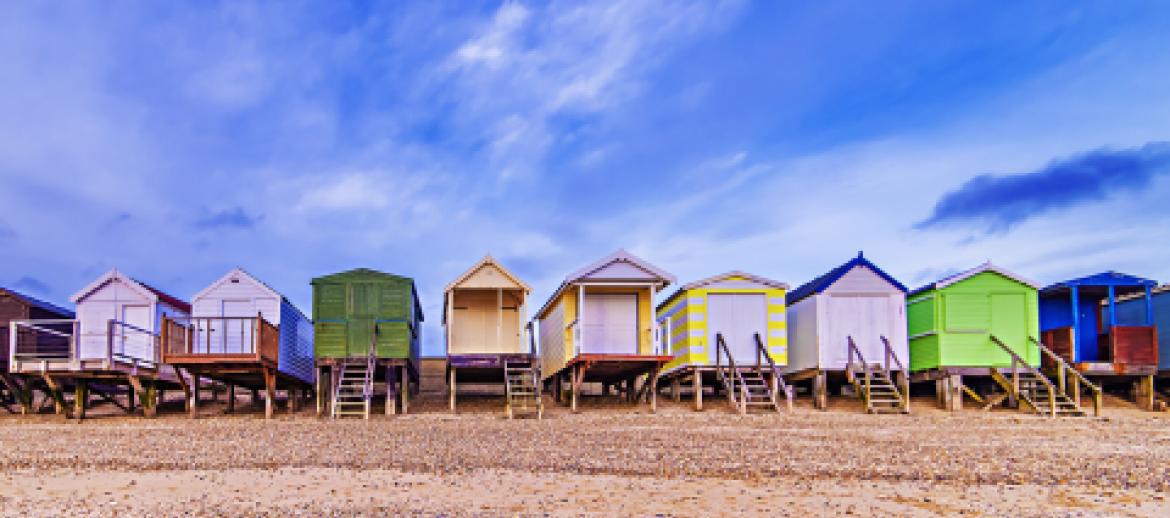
(1026, 384)
(749, 386)
(874, 383)
(522, 385)
(355, 385)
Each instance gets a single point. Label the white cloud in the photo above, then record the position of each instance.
(352, 192)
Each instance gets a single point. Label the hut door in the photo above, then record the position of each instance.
(363, 306)
(738, 317)
(237, 326)
(611, 323)
(866, 319)
(1009, 323)
(136, 340)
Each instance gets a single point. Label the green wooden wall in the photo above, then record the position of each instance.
(348, 307)
(952, 327)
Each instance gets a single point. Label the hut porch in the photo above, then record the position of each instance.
(620, 371)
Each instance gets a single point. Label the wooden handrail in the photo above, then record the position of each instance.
(850, 371)
(779, 380)
(903, 374)
(1063, 370)
(890, 354)
(1018, 362)
(735, 377)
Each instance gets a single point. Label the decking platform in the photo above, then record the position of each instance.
(621, 371)
(61, 374)
(398, 377)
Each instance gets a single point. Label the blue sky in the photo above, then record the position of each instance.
(293, 139)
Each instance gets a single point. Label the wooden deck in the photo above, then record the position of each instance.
(621, 371)
(398, 378)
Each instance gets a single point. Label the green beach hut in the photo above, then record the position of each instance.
(965, 324)
(366, 327)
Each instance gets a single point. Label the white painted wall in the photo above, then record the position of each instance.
(106, 303)
(803, 343)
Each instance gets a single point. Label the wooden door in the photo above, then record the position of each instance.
(865, 318)
(1009, 322)
(136, 340)
(237, 333)
(611, 323)
(363, 309)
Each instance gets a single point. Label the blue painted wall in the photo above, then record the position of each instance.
(296, 343)
(1056, 312)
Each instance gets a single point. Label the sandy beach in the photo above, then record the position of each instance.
(610, 459)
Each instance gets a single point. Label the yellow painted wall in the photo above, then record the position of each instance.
(694, 327)
(551, 362)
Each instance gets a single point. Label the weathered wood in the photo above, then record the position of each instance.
(110, 398)
(146, 393)
(1144, 392)
(404, 383)
(20, 391)
(451, 388)
(80, 399)
(321, 391)
(182, 385)
(193, 404)
(821, 391)
(578, 377)
(391, 390)
(676, 389)
(55, 393)
(652, 380)
(993, 400)
(231, 398)
(269, 392)
(955, 392)
(697, 383)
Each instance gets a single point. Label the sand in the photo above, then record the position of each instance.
(610, 459)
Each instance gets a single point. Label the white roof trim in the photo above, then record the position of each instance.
(622, 256)
(109, 276)
(235, 272)
(735, 273)
(486, 261)
(985, 267)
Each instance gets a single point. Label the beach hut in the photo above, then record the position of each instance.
(727, 331)
(113, 341)
(241, 332)
(983, 322)
(484, 311)
(599, 326)
(1079, 321)
(851, 323)
(18, 306)
(366, 330)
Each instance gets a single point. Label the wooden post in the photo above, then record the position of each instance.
(821, 391)
(652, 393)
(605, 389)
(1144, 392)
(231, 398)
(578, 372)
(193, 404)
(55, 393)
(80, 398)
(22, 391)
(321, 390)
(391, 391)
(676, 389)
(451, 387)
(955, 392)
(697, 387)
(150, 401)
(269, 392)
(130, 399)
(404, 390)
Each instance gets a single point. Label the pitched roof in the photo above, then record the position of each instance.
(620, 256)
(366, 272)
(1109, 278)
(734, 273)
(821, 283)
(38, 303)
(964, 275)
(487, 260)
(237, 271)
(145, 289)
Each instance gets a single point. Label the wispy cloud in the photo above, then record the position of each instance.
(32, 285)
(998, 202)
(228, 218)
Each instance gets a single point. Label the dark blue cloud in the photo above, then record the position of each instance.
(999, 202)
(31, 285)
(230, 218)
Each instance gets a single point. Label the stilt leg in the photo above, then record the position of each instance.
(56, 394)
(676, 389)
(955, 392)
(321, 391)
(130, 399)
(652, 379)
(391, 391)
(269, 393)
(575, 389)
(405, 384)
(231, 398)
(451, 387)
(80, 399)
(821, 391)
(193, 405)
(697, 381)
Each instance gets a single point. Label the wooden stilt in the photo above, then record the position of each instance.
(146, 393)
(821, 391)
(193, 404)
(80, 399)
(451, 388)
(269, 392)
(1144, 392)
(404, 383)
(107, 397)
(605, 389)
(697, 382)
(20, 391)
(955, 392)
(575, 390)
(652, 379)
(55, 393)
(391, 390)
(676, 389)
(130, 400)
(231, 398)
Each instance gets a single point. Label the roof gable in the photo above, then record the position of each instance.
(823, 282)
(146, 290)
(983, 268)
(1109, 278)
(38, 303)
(487, 273)
(240, 275)
(621, 266)
(736, 278)
(359, 273)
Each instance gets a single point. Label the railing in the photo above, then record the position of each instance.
(219, 336)
(851, 368)
(36, 340)
(132, 344)
(1063, 370)
(117, 341)
(731, 377)
(1018, 363)
(903, 374)
(371, 359)
(778, 384)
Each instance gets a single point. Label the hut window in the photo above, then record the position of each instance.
(235, 281)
